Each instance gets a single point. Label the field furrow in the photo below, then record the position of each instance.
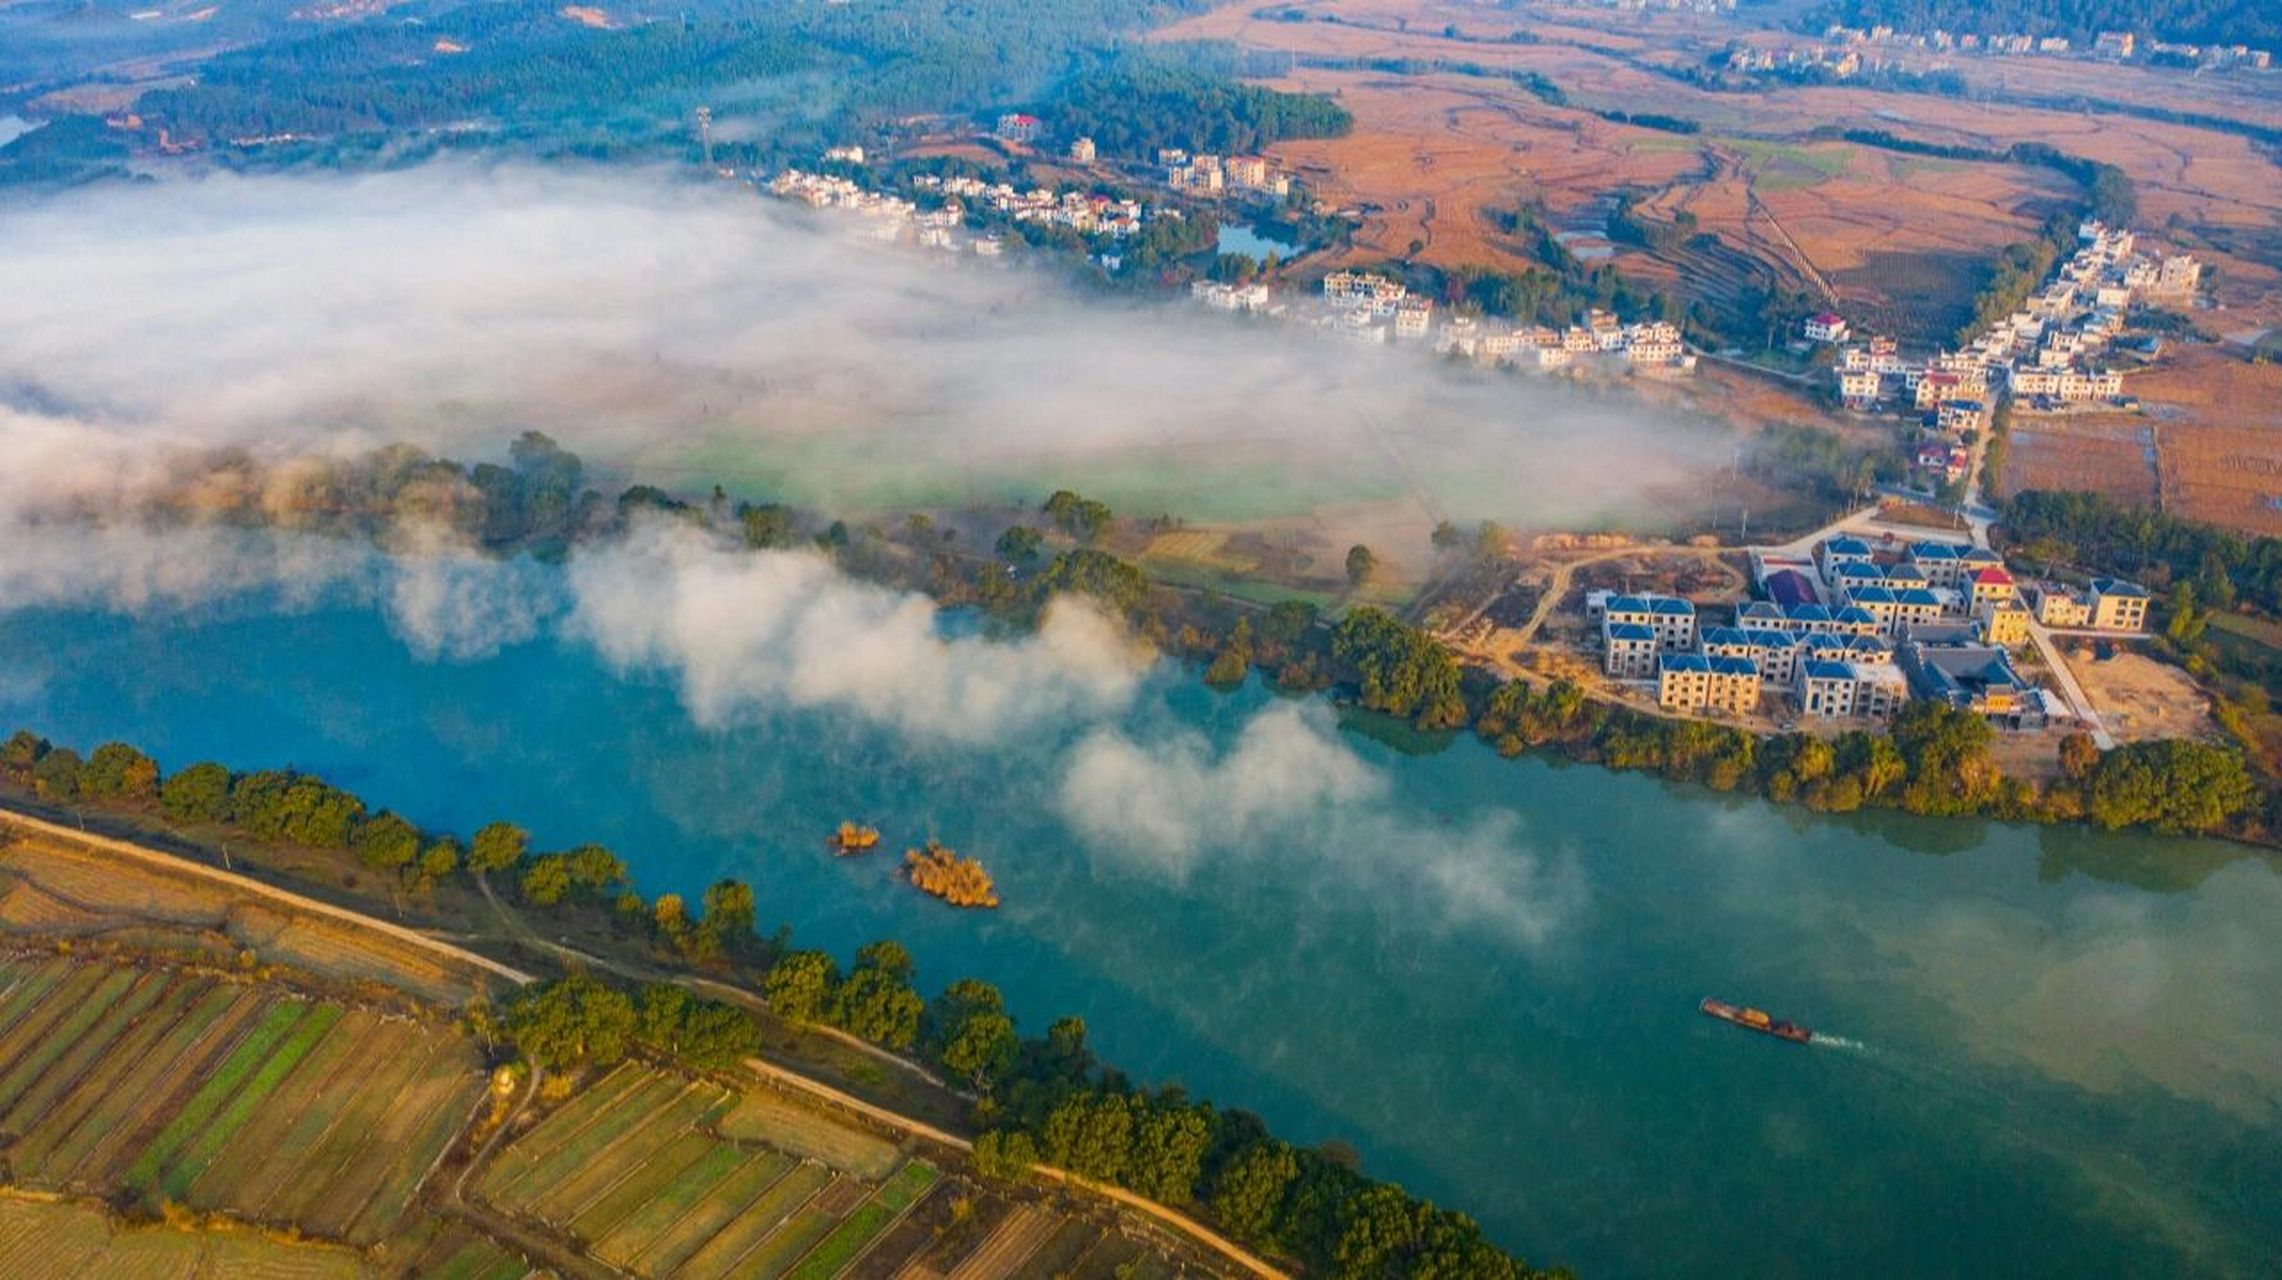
(749, 1228)
(570, 1197)
(215, 1091)
(31, 1090)
(705, 1219)
(379, 1183)
(129, 1114)
(201, 1151)
(626, 1239)
(41, 1142)
(643, 1184)
(320, 1172)
(298, 1118)
(511, 1176)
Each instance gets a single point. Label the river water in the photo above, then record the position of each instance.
(2044, 1051)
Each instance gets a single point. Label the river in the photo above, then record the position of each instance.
(2048, 1052)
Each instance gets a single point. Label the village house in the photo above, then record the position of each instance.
(2117, 605)
(1859, 389)
(1082, 150)
(1961, 416)
(1016, 126)
(1974, 678)
(1411, 317)
(1693, 682)
(1835, 690)
(1990, 589)
(1673, 620)
(2004, 624)
(1629, 650)
(1826, 327)
(2057, 606)
(1832, 554)
(1360, 290)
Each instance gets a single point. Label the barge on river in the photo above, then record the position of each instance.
(1755, 1020)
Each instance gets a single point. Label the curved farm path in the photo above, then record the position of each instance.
(250, 885)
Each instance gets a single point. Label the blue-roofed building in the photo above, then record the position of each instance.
(1831, 553)
(1834, 690)
(1942, 563)
(2118, 605)
(1760, 613)
(1773, 652)
(1628, 650)
(1695, 682)
(1671, 618)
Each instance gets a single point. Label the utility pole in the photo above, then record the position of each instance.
(705, 133)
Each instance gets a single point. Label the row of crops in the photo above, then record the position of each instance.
(191, 1089)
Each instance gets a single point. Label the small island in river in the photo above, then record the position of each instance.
(853, 838)
(937, 870)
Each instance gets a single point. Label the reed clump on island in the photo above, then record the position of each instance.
(940, 871)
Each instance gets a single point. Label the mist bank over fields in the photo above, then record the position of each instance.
(687, 334)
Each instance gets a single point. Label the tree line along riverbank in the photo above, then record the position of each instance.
(1029, 1101)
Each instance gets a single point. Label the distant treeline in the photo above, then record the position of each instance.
(2256, 23)
(523, 63)
(2095, 532)
(1133, 111)
(1045, 1099)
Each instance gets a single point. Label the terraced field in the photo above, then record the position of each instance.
(659, 1175)
(50, 1238)
(189, 1088)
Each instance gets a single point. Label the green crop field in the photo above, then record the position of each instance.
(704, 1220)
(857, 1231)
(215, 1092)
(765, 1117)
(312, 1027)
(630, 1237)
(776, 1254)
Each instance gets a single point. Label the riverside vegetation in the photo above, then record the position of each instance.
(1037, 1100)
(1935, 761)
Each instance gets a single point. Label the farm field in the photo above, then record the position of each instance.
(57, 888)
(47, 1237)
(657, 1174)
(1890, 234)
(180, 1087)
(2208, 446)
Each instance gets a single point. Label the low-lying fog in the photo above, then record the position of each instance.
(686, 334)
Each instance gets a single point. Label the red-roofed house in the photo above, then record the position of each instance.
(1992, 588)
(1826, 327)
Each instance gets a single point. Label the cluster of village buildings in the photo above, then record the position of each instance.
(1855, 633)
(2112, 46)
(938, 227)
(2042, 356)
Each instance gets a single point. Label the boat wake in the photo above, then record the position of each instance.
(1838, 1042)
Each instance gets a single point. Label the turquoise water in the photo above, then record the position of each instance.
(1249, 242)
(2055, 1053)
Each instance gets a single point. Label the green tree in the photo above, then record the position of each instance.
(877, 1002)
(800, 984)
(120, 774)
(1234, 661)
(1005, 1156)
(200, 793)
(498, 846)
(767, 526)
(572, 1022)
(547, 880)
(19, 753)
(729, 915)
(1169, 1143)
(387, 842)
(1019, 545)
(1248, 1196)
(2176, 785)
(970, 1034)
(2079, 755)
(58, 776)
(1360, 563)
(440, 859)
